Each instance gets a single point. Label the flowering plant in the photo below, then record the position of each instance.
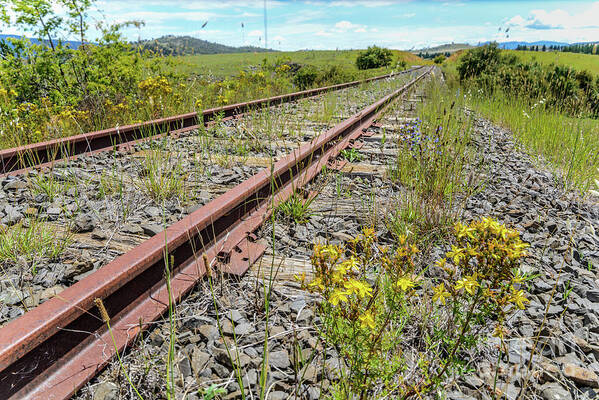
(400, 332)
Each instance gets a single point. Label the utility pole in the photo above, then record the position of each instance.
(265, 28)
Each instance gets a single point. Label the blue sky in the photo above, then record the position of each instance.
(343, 24)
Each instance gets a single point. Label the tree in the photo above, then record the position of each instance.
(81, 77)
(374, 57)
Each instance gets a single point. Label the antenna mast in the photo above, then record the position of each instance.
(265, 28)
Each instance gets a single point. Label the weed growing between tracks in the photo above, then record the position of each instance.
(296, 208)
(401, 334)
(431, 165)
(162, 175)
(31, 241)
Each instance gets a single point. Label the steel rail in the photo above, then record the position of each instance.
(17, 160)
(53, 350)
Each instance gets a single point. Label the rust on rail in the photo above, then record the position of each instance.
(53, 350)
(18, 159)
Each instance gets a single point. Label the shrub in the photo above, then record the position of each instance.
(479, 60)
(305, 76)
(440, 59)
(557, 87)
(374, 57)
(333, 75)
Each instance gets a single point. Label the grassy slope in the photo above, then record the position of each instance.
(223, 65)
(568, 143)
(577, 61)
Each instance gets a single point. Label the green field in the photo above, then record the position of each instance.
(577, 61)
(225, 65)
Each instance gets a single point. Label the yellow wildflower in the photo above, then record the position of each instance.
(468, 283)
(440, 294)
(455, 254)
(402, 239)
(359, 287)
(463, 230)
(518, 298)
(300, 278)
(338, 296)
(330, 251)
(404, 283)
(518, 277)
(350, 263)
(500, 332)
(367, 320)
(317, 282)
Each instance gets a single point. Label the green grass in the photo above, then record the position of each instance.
(31, 242)
(162, 175)
(568, 144)
(578, 61)
(296, 208)
(225, 65)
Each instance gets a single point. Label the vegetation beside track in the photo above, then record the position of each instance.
(553, 109)
(49, 90)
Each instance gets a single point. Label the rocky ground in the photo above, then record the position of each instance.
(559, 331)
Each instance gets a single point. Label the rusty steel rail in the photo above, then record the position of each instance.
(18, 159)
(53, 350)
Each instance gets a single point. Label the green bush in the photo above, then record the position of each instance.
(479, 60)
(305, 76)
(439, 59)
(374, 57)
(333, 75)
(556, 87)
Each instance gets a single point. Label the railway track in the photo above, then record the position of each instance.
(99, 206)
(55, 348)
(19, 159)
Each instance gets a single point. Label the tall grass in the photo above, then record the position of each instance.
(432, 165)
(570, 145)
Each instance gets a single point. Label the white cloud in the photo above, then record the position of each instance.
(346, 25)
(408, 15)
(360, 30)
(255, 33)
(558, 19)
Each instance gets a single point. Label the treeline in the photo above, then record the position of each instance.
(430, 56)
(584, 48)
(557, 87)
(171, 45)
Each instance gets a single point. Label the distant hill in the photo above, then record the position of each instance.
(171, 45)
(445, 48)
(71, 43)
